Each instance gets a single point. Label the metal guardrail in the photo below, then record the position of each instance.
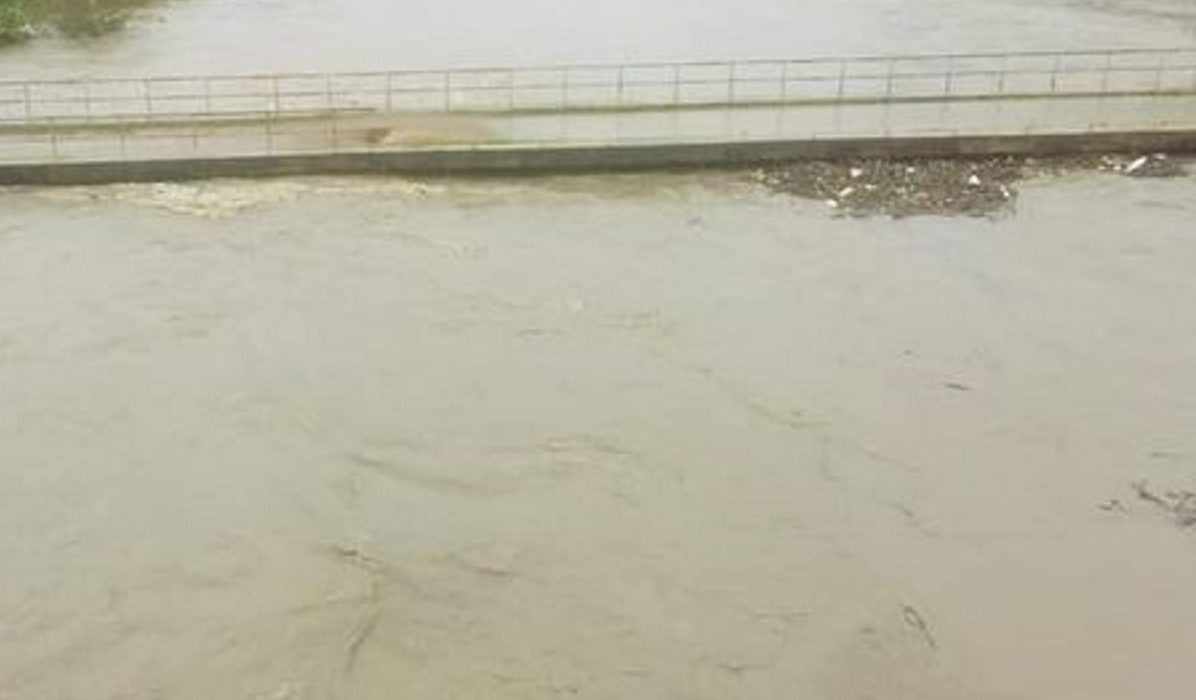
(208, 117)
(1112, 114)
(599, 87)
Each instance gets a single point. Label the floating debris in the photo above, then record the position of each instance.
(1156, 165)
(899, 189)
(1136, 165)
(982, 187)
(1179, 504)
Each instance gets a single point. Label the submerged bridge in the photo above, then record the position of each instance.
(594, 116)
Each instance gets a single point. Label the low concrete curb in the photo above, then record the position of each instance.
(538, 160)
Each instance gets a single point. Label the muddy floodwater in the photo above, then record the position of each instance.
(599, 437)
(653, 437)
(247, 36)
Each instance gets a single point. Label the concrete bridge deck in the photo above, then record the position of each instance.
(755, 105)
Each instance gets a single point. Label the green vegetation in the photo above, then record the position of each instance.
(20, 19)
(14, 21)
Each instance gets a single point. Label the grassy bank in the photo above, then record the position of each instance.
(20, 19)
(14, 21)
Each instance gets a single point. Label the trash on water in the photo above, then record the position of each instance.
(1136, 165)
(984, 187)
(1155, 165)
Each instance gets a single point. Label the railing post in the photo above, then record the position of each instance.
(1096, 72)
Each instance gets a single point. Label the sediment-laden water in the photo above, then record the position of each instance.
(653, 436)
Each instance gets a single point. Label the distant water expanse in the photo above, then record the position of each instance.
(188, 36)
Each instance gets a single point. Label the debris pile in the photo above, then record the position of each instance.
(984, 187)
(1156, 165)
(901, 188)
(1179, 504)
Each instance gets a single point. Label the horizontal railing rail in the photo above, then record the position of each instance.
(598, 86)
(251, 116)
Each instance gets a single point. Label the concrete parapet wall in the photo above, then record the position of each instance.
(558, 159)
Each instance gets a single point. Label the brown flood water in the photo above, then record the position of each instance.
(654, 437)
(603, 437)
(247, 36)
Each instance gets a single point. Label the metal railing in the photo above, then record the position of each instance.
(599, 87)
(209, 117)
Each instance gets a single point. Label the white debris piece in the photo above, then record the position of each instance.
(974, 180)
(856, 173)
(846, 192)
(832, 204)
(1137, 165)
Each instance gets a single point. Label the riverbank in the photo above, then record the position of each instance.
(23, 20)
(15, 23)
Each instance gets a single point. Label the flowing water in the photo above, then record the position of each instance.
(246, 36)
(652, 436)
